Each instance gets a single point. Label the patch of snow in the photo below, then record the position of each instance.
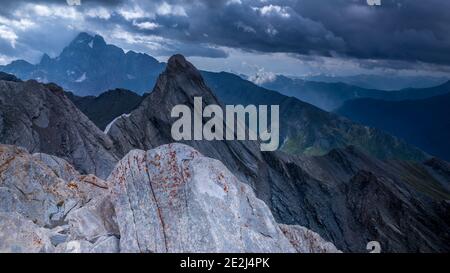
(42, 79)
(82, 78)
(262, 77)
(108, 127)
(130, 77)
(91, 44)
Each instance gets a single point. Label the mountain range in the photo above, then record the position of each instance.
(89, 66)
(330, 96)
(108, 66)
(327, 194)
(387, 82)
(424, 123)
(152, 195)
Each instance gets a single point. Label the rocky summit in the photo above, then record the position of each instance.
(170, 199)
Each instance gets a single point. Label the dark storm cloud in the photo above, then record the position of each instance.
(407, 31)
(404, 30)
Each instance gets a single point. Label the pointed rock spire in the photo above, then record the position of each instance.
(178, 64)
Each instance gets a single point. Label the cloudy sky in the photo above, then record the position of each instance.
(294, 37)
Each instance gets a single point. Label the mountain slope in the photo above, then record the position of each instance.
(424, 123)
(329, 96)
(41, 118)
(88, 66)
(306, 129)
(346, 196)
(107, 106)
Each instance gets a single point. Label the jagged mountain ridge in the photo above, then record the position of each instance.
(89, 66)
(321, 193)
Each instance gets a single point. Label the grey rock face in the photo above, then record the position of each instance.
(52, 203)
(20, 235)
(40, 191)
(173, 199)
(40, 118)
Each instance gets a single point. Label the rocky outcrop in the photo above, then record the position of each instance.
(192, 204)
(42, 119)
(170, 199)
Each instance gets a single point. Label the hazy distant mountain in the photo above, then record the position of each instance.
(330, 96)
(382, 82)
(424, 123)
(89, 66)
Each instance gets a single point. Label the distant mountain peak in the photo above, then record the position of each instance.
(45, 59)
(83, 37)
